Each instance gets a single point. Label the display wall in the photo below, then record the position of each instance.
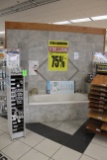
(33, 39)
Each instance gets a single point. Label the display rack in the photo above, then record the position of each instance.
(15, 102)
(98, 105)
(3, 103)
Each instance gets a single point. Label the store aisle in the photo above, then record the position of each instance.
(38, 147)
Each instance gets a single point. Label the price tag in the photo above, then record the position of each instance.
(24, 73)
(99, 117)
(102, 98)
(102, 94)
(58, 62)
(98, 130)
(58, 55)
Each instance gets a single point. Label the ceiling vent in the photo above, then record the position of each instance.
(24, 6)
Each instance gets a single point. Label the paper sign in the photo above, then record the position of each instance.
(33, 67)
(57, 55)
(76, 55)
(24, 73)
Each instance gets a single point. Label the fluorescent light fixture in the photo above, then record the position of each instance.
(62, 22)
(22, 6)
(2, 32)
(80, 20)
(99, 18)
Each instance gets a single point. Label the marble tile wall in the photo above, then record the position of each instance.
(34, 46)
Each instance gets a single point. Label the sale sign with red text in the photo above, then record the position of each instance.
(57, 55)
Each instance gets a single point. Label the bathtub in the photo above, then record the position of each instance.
(50, 107)
(58, 99)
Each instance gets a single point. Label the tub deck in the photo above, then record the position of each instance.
(73, 98)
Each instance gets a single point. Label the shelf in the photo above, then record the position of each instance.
(15, 104)
(100, 80)
(102, 103)
(98, 88)
(97, 97)
(95, 127)
(100, 110)
(98, 105)
(100, 94)
(104, 127)
(98, 116)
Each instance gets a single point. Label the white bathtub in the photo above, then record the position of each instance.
(58, 99)
(52, 107)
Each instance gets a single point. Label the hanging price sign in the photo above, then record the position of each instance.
(58, 55)
(24, 73)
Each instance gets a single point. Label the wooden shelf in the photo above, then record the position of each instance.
(98, 105)
(98, 88)
(97, 97)
(98, 116)
(99, 93)
(100, 110)
(104, 127)
(95, 127)
(100, 80)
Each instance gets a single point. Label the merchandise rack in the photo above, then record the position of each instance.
(3, 102)
(15, 102)
(98, 105)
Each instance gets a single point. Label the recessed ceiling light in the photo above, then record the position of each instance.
(62, 22)
(80, 20)
(2, 32)
(99, 18)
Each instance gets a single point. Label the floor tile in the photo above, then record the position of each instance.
(1, 132)
(48, 147)
(32, 139)
(16, 150)
(3, 156)
(96, 151)
(27, 131)
(4, 127)
(68, 127)
(66, 154)
(5, 140)
(2, 120)
(80, 140)
(53, 124)
(50, 133)
(100, 140)
(84, 157)
(34, 155)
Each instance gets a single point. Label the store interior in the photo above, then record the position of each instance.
(53, 83)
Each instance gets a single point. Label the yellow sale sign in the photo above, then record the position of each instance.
(57, 55)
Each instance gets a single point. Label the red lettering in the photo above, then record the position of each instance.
(58, 49)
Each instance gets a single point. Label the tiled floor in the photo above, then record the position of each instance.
(65, 126)
(37, 147)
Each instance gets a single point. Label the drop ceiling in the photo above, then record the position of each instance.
(62, 10)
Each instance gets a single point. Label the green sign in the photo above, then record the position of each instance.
(24, 73)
